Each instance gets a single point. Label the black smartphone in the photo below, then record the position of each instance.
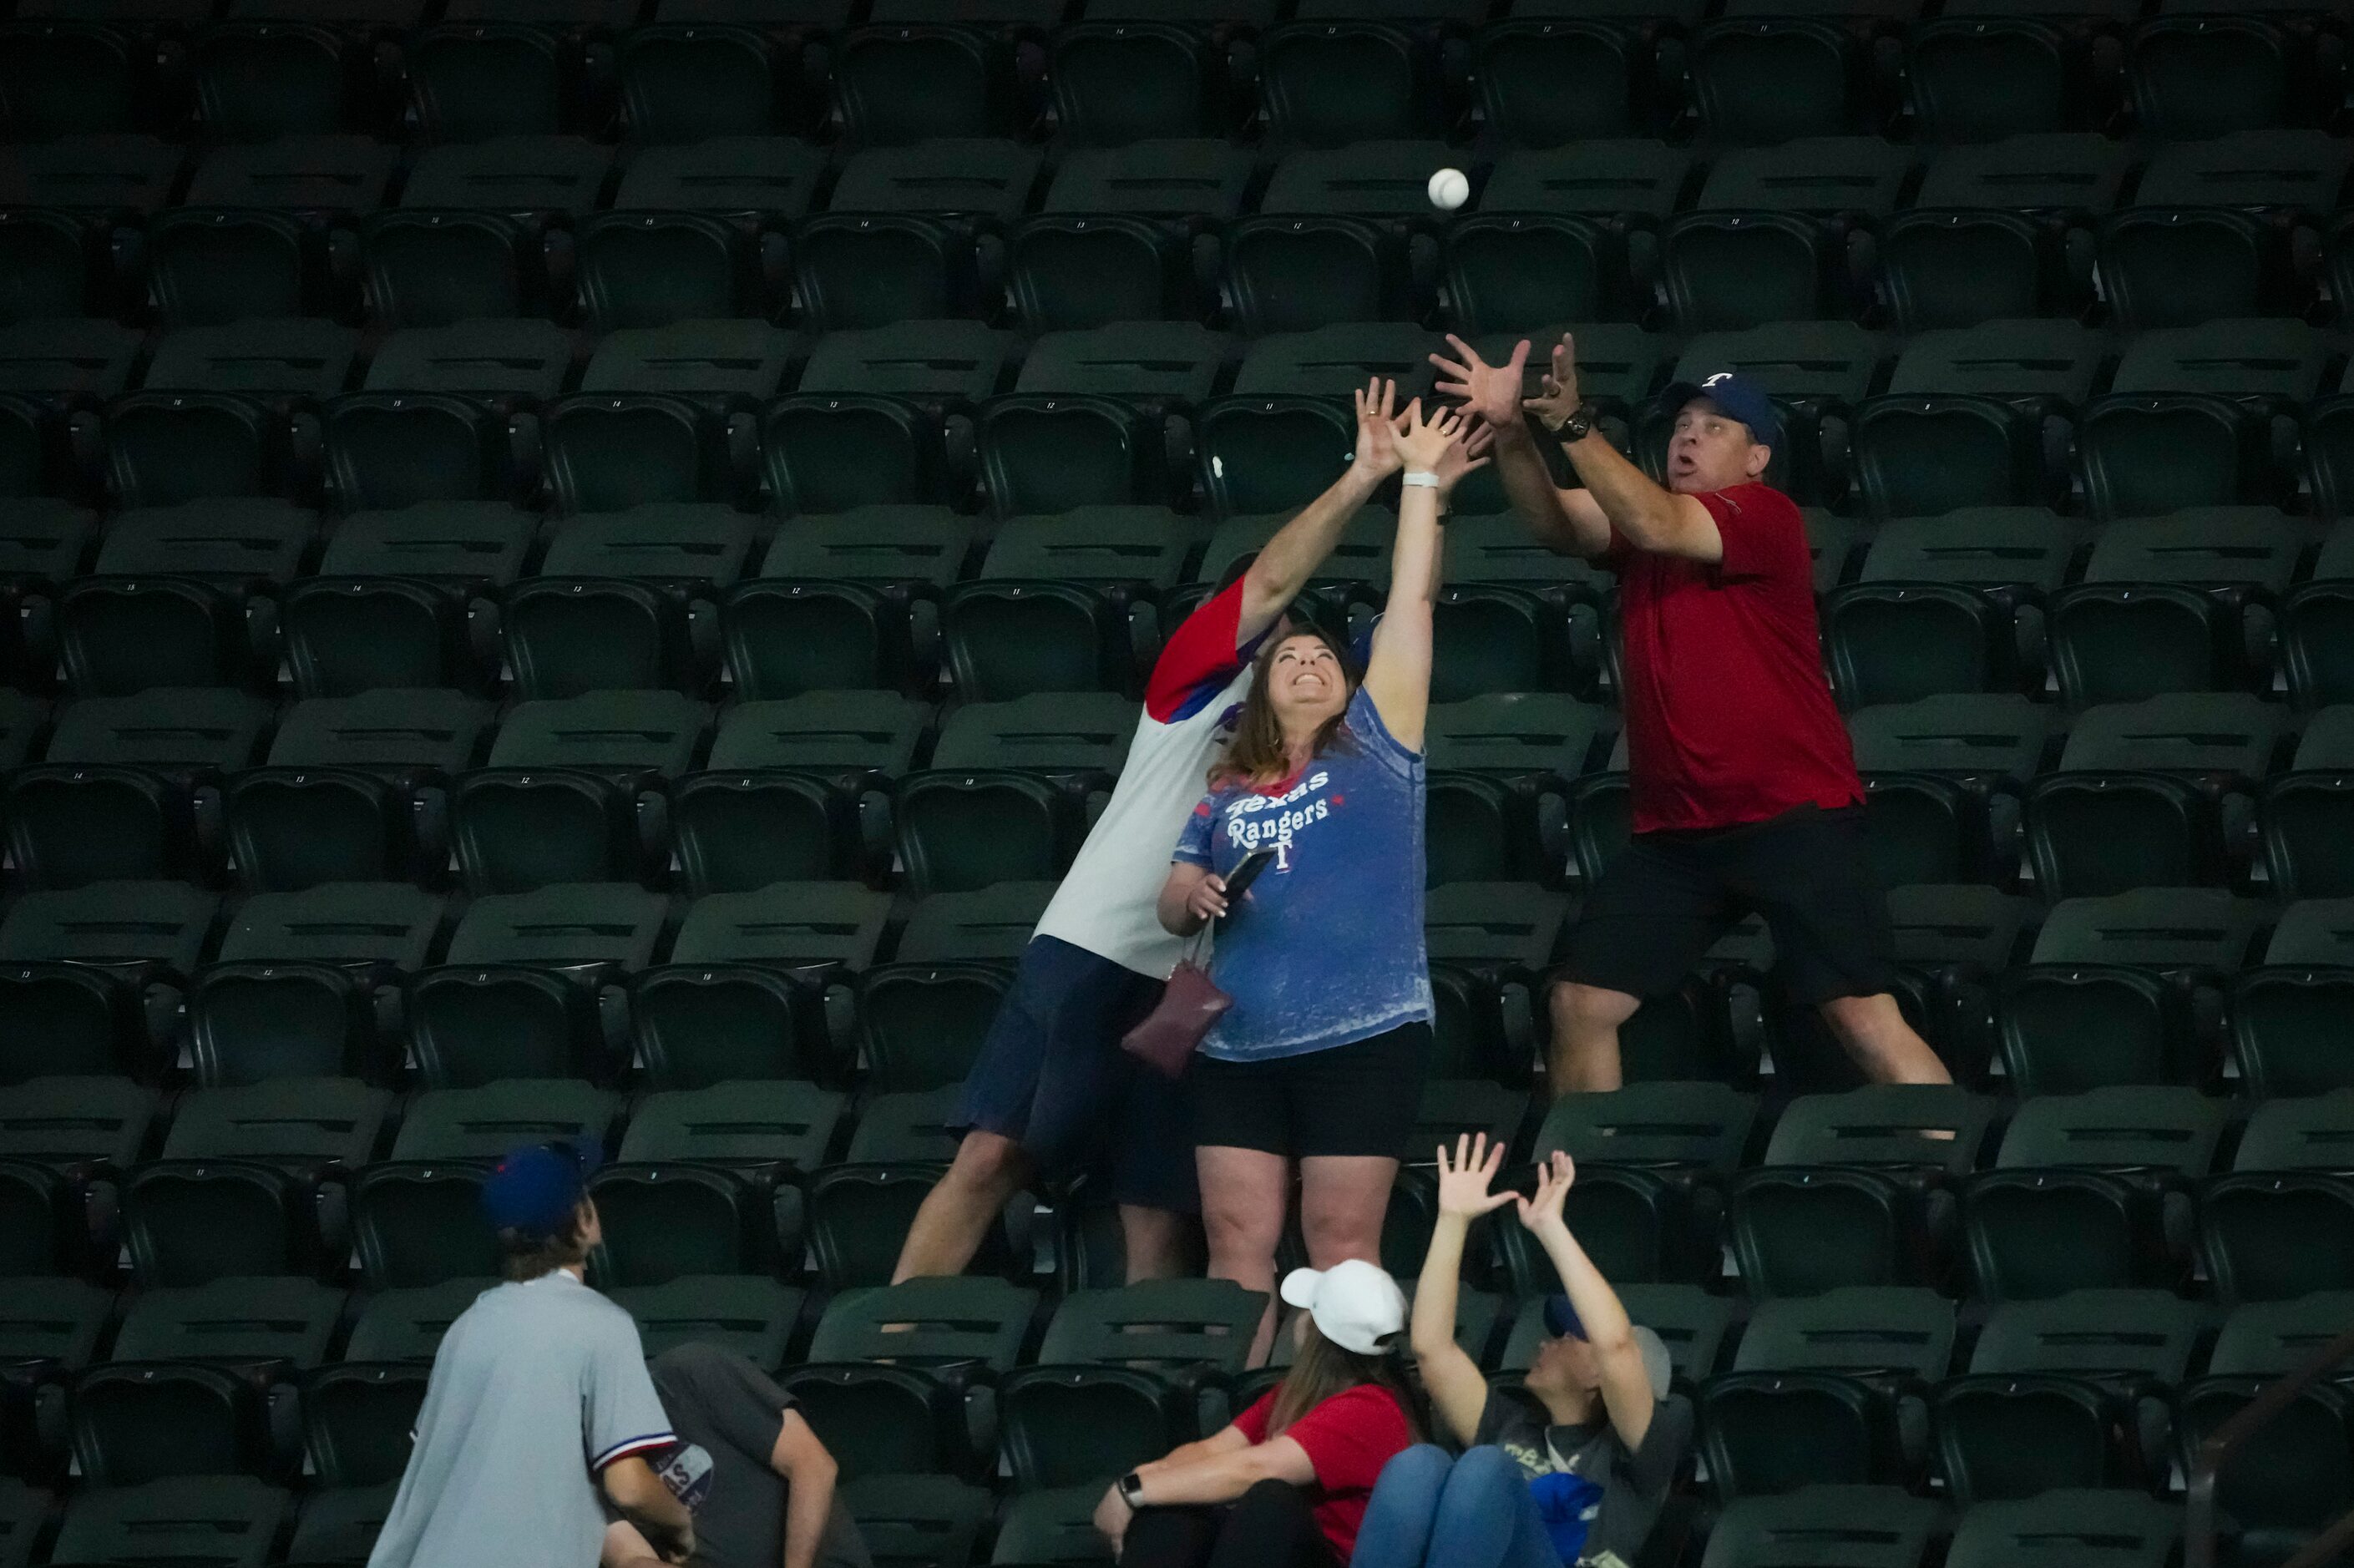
(1244, 873)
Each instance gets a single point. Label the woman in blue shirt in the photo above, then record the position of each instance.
(1321, 1059)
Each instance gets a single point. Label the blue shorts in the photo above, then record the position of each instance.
(1051, 1077)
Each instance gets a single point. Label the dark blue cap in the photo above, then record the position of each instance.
(534, 1189)
(1560, 1319)
(1738, 396)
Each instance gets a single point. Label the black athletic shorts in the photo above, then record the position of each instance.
(1670, 897)
(1358, 1098)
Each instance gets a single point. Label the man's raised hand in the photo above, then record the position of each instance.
(1377, 454)
(1558, 401)
(1463, 1181)
(1490, 391)
(1422, 443)
(1554, 1178)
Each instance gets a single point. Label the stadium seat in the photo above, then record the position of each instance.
(230, 1521)
(917, 1517)
(1288, 273)
(2109, 996)
(2279, 1011)
(2138, 797)
(2201, 76)
(1901, 642)
(193, 1221)
(427, 269)
(794, 923)
(2301, 814)
(1865, 1526)
(1261, 456)
(420, 1225)
(133, 1424)
(1758, 82)
(1920, 456)
(2166, 267)
(1330, 83)
(2289, 1479)
(1846, 1168)
(385, 450)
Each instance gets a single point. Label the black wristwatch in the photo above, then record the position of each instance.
(1578, 426)
(1130, 1485)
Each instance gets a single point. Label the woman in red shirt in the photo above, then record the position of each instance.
(1286, 1485)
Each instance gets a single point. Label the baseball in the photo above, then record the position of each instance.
(1449, 190)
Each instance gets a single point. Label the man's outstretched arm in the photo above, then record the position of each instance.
(1651, 516)
(1287, 561)
(1567, 521)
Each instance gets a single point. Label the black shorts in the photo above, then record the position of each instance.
(1670, 897)
(1051, 1076)
(1355, 1099)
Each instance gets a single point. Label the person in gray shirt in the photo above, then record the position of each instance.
(539, 1400)
(771, 1498)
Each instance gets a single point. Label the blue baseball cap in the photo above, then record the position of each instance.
(1738, 396)
(1560, 1319)
(535, 1189)
(1561, 1322)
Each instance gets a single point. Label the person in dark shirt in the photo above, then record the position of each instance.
(770, 1499)
(1584, 1485)
(1744, 786)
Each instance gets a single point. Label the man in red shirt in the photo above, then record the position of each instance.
(1745, 794)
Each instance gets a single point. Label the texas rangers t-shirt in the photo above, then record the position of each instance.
(1729, 715)
(1326, 948)
(1107, 903)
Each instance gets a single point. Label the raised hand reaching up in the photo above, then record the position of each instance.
(1377, 454)
(1541, 1211)
(1490, 391)
(1463, 1181)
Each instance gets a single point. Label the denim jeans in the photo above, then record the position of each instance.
(1431, 1509)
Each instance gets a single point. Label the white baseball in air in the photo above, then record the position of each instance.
(1449, 188)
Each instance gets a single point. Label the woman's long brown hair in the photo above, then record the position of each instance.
(1256, 756)
(1323, 1369)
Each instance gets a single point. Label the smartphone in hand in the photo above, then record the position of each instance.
(1246, 871)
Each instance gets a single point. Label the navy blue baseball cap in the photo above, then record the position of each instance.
(1738, 396)
(535, 1189)
(1560, 1319)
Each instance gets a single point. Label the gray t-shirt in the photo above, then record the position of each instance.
(536, 1389)
(734, 1411)
(1624, 1491)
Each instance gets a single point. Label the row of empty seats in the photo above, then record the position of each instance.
(1821, 228)
(1549, 74)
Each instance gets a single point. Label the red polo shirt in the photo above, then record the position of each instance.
(1729, 716)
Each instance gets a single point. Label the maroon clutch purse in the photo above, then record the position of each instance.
(1170, 1034)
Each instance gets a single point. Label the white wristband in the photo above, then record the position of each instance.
(1420, 479)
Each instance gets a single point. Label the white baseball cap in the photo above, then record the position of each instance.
(1355, 1304)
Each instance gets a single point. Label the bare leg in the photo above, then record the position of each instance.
(1586, 1020)
(1873, 1031)
(1155, 1242)
(990, 1169)
(1342, 1198)
(1243, 1195)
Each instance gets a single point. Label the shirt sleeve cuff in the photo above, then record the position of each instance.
(627, 1447)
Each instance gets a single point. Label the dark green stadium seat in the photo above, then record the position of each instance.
(407, 1324)
(233, 1321)
(736, 832)
(789, 639)
(47, 1234)
(70, 1019)
(460, 544)
(219, 1522)
(858, 1218)
(1756, 82)
(2132, 1335)
(611, 451)
(482, 1123)
(504, 1005)
(961, 833)
(569, 636)
(346, 923)
(682, 84)
(250, 1023)
(1175, 178)
(340, 1524)
(521, 174)
(1103, 1391)
(995, 922)
(1327, 84)
(392, 449)
(2136, 799)
(2289, 1480)
(118, 636)
(805, 440)
(129, 923)
(2078, 1199)
(1899, 642)
(2302, 815)
(1980, 79)
(424, 269)
(739, 1123)
(422, 1226)
(1069, 272)
(1863, 1331)
(2028, 361)
(1120, 82)
(1048, 454)
(2274, 1338)
(2282, 1014)
(69, 77)
(929, 1322)
(965, 176)
(25, 1513)
(1007, 639)
(1919, 455)
(834, 732)
(213, 265)
(2273, 1237)
(670, 1222)
(1547, 82)
(1146, 361)
(1831, 1526)
(271, 361)
(686, 546)
(751, 1316)
(1052, 1528)
(1292, 274)
(923, 1023)
(2109, 996)
(476, 357)
(1845, 1169)
(1984, 547)
(2012, 1435)
(65, 1121)
(698, 1025)
(1702, 1126)
(918, 1521)
(2094, 1528)
(473, 82)
(2261, 362)
(909, 1129)
(301, 1124)
(1730, 270)
(934, 362)
(792, 923)
(2193, 77)
(195, 1221)
(898, 85)
(736, 174)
